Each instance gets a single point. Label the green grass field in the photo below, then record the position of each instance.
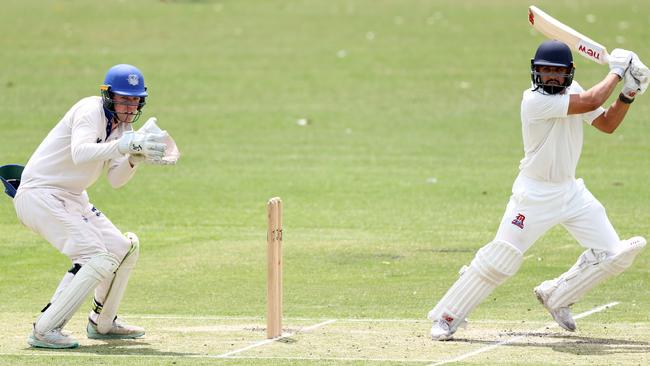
(401, 173)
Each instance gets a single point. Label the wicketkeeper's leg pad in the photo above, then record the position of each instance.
(108, 310)
(84, 282)
(593, 267)
(493, 264)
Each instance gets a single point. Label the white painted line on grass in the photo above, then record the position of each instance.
(258, 318)
(191, 317)
(52, 354)
(514, 339)
(267, 341)
(339, 320)
(596, 309)
(362, 359)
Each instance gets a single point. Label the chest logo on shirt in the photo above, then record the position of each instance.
(98, 140)
(519, 221)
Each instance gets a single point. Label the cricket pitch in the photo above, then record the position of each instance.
(196, 340)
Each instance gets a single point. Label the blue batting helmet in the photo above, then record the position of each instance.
(124, 80)
(552, 53)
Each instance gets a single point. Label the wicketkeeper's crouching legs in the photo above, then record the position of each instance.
(493, 264)
(47, 329)
(103, 322)
(103, 273)
(593, 267)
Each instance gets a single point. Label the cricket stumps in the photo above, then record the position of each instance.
(274, 262)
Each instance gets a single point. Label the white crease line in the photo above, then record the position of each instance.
(339, 320)
(396, 360)
(595, 310)
(267, 341)
(511, 340)
(190, 317)
(194, 356)
(257, 318)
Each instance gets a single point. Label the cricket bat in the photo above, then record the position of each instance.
(554, 29)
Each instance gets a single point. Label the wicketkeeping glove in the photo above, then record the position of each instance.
(172, 154)
(136, 159)
(151, 145)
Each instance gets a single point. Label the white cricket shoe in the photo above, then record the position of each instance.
(441, 330)
(120, 330)
(561, 315)
(55, 338)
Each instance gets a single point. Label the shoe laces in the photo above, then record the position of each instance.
(444, 324)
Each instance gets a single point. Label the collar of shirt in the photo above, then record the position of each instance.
(109, 124)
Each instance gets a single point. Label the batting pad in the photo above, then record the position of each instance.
(68, 302)
(492, 265)
(592, 268)
(118, 286)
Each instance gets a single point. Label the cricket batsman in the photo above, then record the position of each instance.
(96, 134)
(546, 192)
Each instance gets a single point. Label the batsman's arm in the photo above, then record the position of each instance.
(593, 98)
(609, 121)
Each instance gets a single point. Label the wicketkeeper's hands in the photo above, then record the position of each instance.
(619, 61)
(172, 154)
(150, 145)
(136, 159)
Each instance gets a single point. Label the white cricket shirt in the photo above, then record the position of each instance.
(76, 150)
(552, 138)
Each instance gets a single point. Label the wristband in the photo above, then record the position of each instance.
(625, 99)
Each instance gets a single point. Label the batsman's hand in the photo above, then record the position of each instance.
(636, 80)
(641, 73)
(151, 145)
(631, 86)
(619, 61)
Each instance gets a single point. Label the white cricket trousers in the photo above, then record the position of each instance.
(536, 206)
(70, 223)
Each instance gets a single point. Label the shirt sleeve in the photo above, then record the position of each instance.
(86, 127)
(539, 106)
(589, 117)
(120, 171)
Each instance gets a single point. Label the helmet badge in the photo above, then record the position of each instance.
(133, 79)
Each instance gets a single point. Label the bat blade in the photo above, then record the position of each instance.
(554, 29)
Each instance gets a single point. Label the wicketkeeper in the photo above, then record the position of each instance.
(94, 135)
(546, 192)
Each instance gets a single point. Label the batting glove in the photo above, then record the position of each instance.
(619, 61)
(631, 86)
(641, 73)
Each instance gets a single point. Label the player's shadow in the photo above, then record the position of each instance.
(573, 344)
(119, 347)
